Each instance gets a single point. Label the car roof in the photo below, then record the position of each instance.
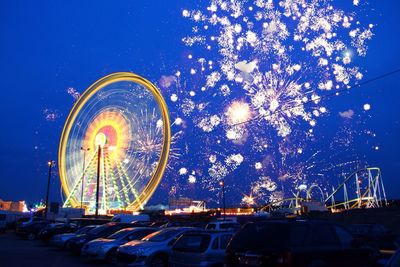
(181, 228)
(209, 232)
(89, 219)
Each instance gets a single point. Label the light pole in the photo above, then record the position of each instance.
(83, 172)
(50, 164)
(98, 181)
(222, 184)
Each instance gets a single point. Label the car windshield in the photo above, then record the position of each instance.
(98, 230)
(162, 235)
(192, 243)
(229, 225)
(120, 234)
(260, 236)
(85, 229)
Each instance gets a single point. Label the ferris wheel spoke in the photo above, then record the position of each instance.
(133, 190)
(89, 180)
(114, 182)
(123, 184)
(79, 181)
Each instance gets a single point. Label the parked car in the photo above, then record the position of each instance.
(76, 243)
(27, 220)
(175, 224)
(394, 261)
(106, 248)
(223, 225)
(374, 235)
(152, 250)
(67, 227)
(157, 224)
(206, 248)
(296, 243)
(9, 219)
(128, 218)
(31, 228)
(60, 240)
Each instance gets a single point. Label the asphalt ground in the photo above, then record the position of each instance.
(18, 252)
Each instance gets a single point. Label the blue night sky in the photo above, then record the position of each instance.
(49, 46)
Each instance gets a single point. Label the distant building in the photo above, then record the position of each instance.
(12, 206)
(179, 203)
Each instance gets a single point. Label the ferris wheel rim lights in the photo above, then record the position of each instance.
(152, 185)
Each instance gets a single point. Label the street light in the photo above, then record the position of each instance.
(50, 164)
(98, 181)
(83, 172)
(222, 184)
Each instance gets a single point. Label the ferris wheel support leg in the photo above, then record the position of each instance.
(80, 180)
(104, 182)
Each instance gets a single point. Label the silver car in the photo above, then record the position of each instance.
(62, 239)
(106, 248)
(152, 250)
(206, 248)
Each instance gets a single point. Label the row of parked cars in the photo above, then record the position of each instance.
(220, 243)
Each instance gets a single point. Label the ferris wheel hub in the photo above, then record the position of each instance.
(100, 140)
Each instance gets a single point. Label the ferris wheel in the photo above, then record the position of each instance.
(115, 145)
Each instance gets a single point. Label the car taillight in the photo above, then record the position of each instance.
(284, 259)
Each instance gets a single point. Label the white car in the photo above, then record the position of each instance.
(223, 225)
(152, 250)
(106, 248)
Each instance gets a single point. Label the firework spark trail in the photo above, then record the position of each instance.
(249, 35)
(265, 66)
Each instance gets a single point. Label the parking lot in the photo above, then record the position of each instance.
(21, 252)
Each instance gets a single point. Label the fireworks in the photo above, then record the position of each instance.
(51, 114)
(248, 105)
(262, 69)
(238, 113)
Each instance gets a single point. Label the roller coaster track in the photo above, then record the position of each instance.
(369, 193)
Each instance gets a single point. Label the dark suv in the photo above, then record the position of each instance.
(30, 228)
(296, 243)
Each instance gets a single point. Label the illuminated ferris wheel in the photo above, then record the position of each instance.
(115, 144)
